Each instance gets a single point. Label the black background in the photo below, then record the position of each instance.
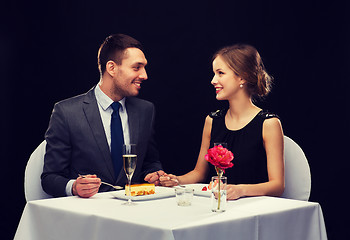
(48, 53)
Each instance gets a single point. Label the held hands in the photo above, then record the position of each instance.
(86, 186)
(169, 180)
(154, 177)
(160, 178)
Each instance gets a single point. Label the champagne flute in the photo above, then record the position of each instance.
(223, 144)
(129, 163)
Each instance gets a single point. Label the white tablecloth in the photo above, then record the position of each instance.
(104, 217)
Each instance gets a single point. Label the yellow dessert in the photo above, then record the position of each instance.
(140, 189)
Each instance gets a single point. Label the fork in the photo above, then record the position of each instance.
(115, 187)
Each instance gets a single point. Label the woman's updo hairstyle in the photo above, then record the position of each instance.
(245, 61)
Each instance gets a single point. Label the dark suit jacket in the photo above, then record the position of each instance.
(77, 144)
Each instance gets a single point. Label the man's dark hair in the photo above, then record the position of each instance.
(113, 48)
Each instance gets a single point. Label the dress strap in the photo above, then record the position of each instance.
(263, 113)
(266, 114)
(218, 113)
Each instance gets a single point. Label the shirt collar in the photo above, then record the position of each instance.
(105, 101)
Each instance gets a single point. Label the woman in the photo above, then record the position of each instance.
(254, 136)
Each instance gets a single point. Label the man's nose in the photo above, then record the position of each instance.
(143, 75)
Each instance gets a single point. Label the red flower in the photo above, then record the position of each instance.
(220, 157)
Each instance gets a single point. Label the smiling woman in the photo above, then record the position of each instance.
(245, 63)
(253, 136)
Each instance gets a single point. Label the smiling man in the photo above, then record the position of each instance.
(86, 132)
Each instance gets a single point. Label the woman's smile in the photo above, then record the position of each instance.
(218, 89)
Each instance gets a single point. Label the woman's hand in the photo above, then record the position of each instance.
(169, 180)
(234, 192)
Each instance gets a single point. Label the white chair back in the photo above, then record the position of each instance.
(297, 172)
(32, 180)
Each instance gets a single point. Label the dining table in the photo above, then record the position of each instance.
(105, 216)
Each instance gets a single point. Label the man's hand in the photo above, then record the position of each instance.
(154, 177)
(86, 186)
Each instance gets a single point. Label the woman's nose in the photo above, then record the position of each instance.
(214, 81)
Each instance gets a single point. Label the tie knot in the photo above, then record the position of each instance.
(116, 106)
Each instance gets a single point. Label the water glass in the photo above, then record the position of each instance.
(184, 196)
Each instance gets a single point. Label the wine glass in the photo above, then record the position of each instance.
(129, 163)
(223, 144)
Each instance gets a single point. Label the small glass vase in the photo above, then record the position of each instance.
(218, 194)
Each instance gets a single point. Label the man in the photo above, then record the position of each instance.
(82, 132)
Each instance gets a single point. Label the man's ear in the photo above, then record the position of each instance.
(111, 68)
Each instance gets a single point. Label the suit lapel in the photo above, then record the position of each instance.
(93, 116)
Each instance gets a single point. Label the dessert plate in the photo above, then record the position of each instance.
(198, 189)
(161, 192)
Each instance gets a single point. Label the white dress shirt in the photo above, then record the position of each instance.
(104, 106)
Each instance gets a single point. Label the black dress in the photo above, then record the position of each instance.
(246, 144)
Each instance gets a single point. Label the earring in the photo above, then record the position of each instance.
(241, 85)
